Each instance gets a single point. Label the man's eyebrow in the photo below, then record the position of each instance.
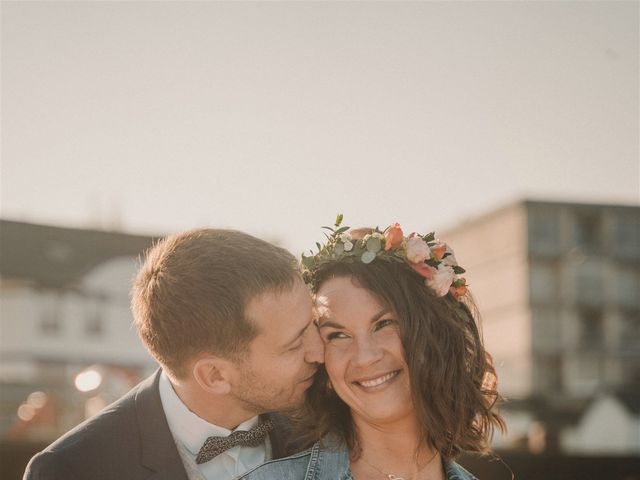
(332, 324)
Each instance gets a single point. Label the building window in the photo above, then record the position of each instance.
(551, 372)
(588, 284)
(626, 237)
(544, 233)
(543, 282)
(587, 231)
(591, 329)
(589, 373)
(630, 330)
(94, 324)
(632, 374)
(50, 324)
(627, 287)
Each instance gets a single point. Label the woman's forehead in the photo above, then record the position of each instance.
(342, 294)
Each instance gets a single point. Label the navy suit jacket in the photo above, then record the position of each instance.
(130, 439)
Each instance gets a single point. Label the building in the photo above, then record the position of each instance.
(558, 286)
(67, 345)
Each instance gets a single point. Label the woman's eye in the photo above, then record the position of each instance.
(384, 323)
(335, 336)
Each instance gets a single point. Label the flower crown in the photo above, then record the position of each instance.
(425, 254)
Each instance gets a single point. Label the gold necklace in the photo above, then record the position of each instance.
(392, 476)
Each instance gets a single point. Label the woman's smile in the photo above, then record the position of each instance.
(377, 382)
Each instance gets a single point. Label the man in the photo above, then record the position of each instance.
(229, 319)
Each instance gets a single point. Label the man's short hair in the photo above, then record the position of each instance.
(190, 294)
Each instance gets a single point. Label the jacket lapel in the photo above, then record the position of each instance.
(159, 451)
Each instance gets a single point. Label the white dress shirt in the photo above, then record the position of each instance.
(191, 431)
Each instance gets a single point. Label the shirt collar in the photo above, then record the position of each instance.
(186, 426)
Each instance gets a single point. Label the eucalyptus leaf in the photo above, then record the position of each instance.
(374, 245)
(308, 262)
(429, 237)
(368, 256)
(339, 248)
(341, 230)
(458, 270)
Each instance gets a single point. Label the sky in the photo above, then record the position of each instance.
(154, 117)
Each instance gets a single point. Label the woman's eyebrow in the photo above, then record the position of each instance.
(329, 323)
(380, 314)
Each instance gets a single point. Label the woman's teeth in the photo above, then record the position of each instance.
(378, 381)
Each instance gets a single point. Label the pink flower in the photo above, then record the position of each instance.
(424, 270)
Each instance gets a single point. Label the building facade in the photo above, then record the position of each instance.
(64, 310)
(558, 287)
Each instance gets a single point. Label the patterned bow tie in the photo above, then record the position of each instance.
(214, 446)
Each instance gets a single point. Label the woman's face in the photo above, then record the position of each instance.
(364, 357)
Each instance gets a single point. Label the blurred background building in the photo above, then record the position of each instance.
(67, 345)
(558, 286)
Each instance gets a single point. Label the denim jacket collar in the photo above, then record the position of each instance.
(331, 458)
(332, 461)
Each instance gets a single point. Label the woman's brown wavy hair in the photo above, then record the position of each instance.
(453, 382)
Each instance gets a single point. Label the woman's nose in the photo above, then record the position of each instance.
(367, 351)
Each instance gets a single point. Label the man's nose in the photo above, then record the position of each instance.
(314, 346)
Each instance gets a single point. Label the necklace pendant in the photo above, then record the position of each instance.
(391, 476)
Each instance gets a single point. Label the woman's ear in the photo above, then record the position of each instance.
(213, 374)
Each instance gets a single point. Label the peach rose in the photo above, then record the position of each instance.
(458, 292)
(439, 250)
(459, 287)
(393, 236)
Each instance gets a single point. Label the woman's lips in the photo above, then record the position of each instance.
(373, 382)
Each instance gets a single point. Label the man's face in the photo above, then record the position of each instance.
(283, 358)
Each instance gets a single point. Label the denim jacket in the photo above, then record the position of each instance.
(322, 463)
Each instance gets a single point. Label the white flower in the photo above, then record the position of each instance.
(417, 250)
(451, 258)
(345, 238)
(442, 280)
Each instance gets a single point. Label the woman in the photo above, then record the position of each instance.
(407, 384)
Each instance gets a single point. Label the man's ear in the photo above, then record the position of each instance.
(213, 374)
